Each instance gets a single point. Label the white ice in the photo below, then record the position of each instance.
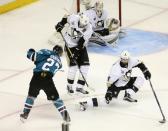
(31, 26)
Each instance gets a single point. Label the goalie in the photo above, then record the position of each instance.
(107, 29)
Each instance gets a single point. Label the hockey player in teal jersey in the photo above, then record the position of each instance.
(47, 63)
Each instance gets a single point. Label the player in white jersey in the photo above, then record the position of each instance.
(107, 28)
(76, 37)
(120, 78)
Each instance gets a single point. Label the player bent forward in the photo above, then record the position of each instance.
(120, 78)
(77, 37)
(47, 63)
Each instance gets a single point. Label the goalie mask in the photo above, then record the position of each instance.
(58, 49)
(83, 20)
(99, 8)
(124, 57)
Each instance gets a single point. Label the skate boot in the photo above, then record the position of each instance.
(81, 90)
(69, 89)
(83, 105)
(127, 97)
(23, 117)
(66, 116)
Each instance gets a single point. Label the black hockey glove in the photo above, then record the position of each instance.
(59, 27)
(31, 54)
(112, 91)
(61, 24)
(145, 70)
(108, 96)
(147, 75)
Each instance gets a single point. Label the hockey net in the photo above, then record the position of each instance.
(113, 7)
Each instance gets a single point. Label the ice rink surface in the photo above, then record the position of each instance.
(32, 26)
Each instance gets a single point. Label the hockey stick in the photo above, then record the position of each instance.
(105, 42)
(71, 55)
(164, 119)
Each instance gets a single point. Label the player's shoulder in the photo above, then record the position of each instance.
(116, 66)
(134, 61)
(73, 17)
(89, 11)
(45, 52)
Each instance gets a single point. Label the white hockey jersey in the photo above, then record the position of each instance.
(121, 75)
(98, 23)
(74, 32)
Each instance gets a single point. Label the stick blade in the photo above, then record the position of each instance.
(163, 121)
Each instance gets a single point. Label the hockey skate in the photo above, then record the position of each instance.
(69, 89)
(66, 116)
(81, 90)
(127, 97)
(83, 105)
(23, 117)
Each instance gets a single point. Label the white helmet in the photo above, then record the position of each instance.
(99, 7)
(124, 56)
(83, 20)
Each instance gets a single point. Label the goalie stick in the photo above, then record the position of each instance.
(164, 119)
(105, 42)
(71, 55)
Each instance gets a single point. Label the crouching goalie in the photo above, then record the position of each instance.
(106, 28)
